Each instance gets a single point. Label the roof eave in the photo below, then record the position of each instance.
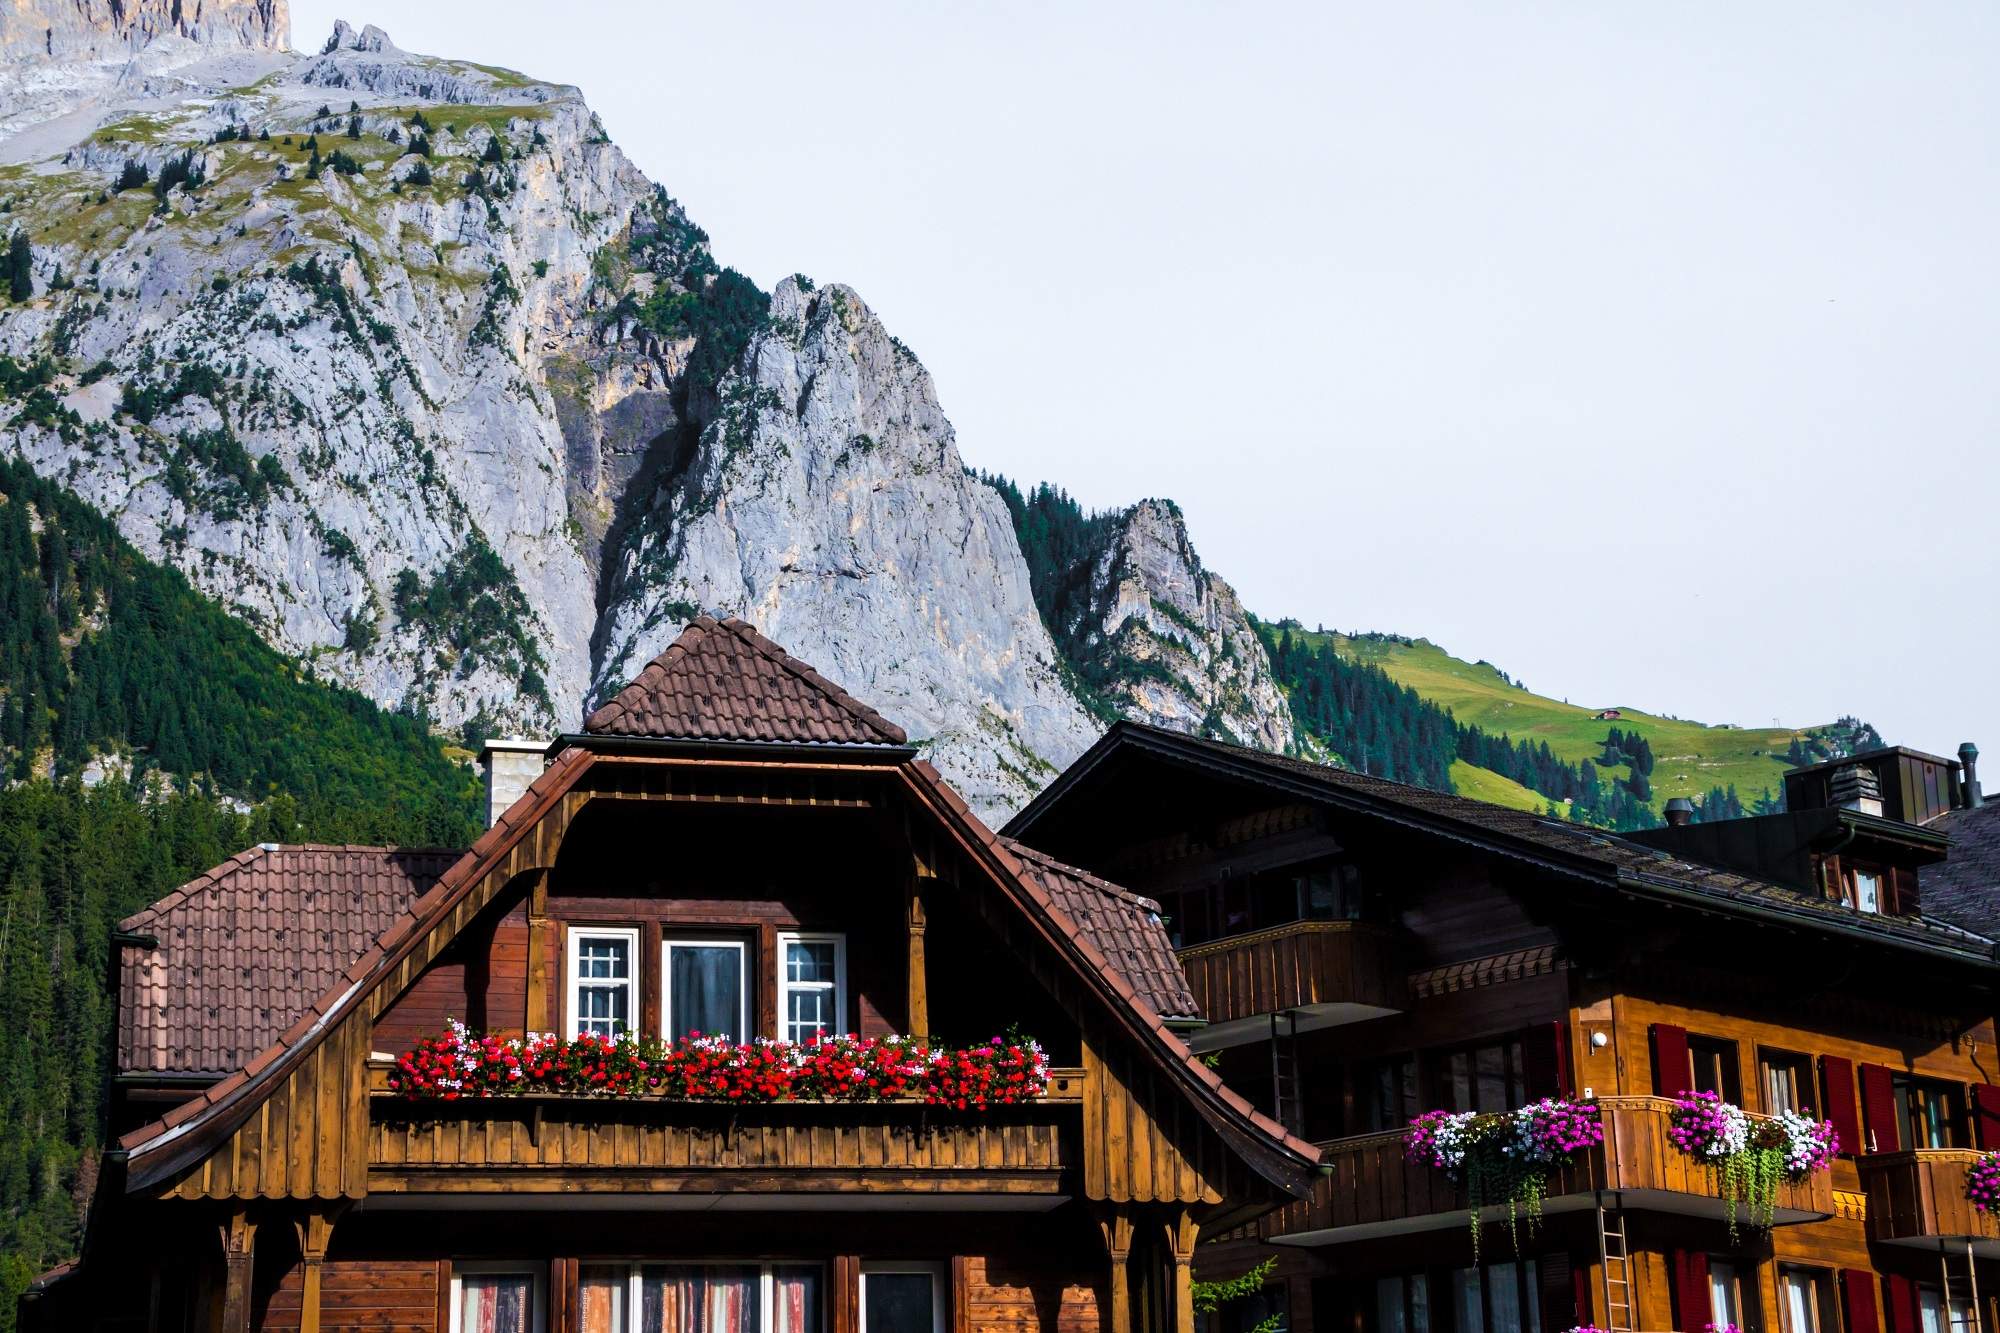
(798, 751)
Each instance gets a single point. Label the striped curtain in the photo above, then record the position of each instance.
(495, 1302)
(600, 1301)
(795, 1296)
(681, 1298)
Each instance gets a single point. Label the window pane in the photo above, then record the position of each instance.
(896, 1303)
(1801, 1310)
(1389, 1305)
(809, 960)
(1503, 1296)
(681, 1298)
(604, 956)
(1420, 1303)
(1724, 1306)
(1867, 891)
(495, 1302)
(808, 1012)
(1930, 1306)
(705, 990)
(1471, 1311)
(1531, 1288)
(1492, 1067)
(795, 1294)
(1461, 1082)
(603, 1010)
(600, 1300)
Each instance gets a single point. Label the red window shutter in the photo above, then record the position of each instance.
(1692, 1310)
(1858, 1286)
(1545, 1059)
(1836, 1078)
(1986, 1115)
(1899, 1302)
(1878, 1103)
(1670, 1060)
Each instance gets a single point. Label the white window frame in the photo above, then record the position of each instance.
(767, 1288)
(573, 983)
(935, 1271)
(538, 1302)
(787, 938)
(668, 945)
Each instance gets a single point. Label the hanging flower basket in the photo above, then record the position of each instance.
(1982, 1183)
(1505, 1157)
(1750, 1158)
(463, 1063)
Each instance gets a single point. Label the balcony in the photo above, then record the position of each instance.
(600, 1150)
(1918, 1199)
(1369, 1190)
(1320, 973)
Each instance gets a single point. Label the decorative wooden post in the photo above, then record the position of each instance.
(916, 901)
(1116, 1224)
(846, 1302)
(315, 1231)
(239, 1253)
(1182, 1232)
(541, 939)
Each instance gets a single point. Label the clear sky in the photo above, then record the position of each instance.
(1648, 351)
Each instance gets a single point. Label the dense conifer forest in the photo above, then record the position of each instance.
(223, 744)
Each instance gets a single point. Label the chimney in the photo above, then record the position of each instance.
(1968, 759)
(1680, 810)
(1855, 788)
(508, 765)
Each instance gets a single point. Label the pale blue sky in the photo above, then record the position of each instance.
(1645, 350)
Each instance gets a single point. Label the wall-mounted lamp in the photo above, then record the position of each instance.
(1600, 1040)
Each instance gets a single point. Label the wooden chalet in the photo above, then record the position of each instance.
(1365, 951)
(732, 845)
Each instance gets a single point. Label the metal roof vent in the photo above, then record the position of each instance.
(1968, 759)
(1680, 810)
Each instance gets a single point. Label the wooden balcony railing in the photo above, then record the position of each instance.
(1919, 1197)
(1369, 1188)
(1299, 965)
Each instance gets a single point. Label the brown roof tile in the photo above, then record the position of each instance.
(722, 680)
(1125, 928)
(246, 949)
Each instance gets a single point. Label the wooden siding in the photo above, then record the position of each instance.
(1371, 1181)
(1921, 1195)
(1003, 1295)
(362, 1296)
(1294, 965)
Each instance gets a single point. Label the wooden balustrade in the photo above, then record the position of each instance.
(1296, 966)
(1369, 1185)
(1920, 1196)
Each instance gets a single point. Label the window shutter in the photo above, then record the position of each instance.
(1858, 1286)
(1986, 1115)
(1836, 1077)
(1899, 1302)
(1545, 1059)
(1878, 1103)
(1670, 1060)
(1693, 1311)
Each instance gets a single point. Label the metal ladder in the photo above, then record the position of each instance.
(1614, 1266)
(1286, 1108)
(1961, 1288)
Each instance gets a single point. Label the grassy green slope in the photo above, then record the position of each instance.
(1690, 756)
(1483, 784)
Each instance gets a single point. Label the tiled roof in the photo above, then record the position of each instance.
(1965, 888)
(1517, 832)
(1125, 928)
(246, 948)
(722, 680)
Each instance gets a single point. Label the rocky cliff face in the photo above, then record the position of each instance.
(1176, 639)
(56, 30)
(405, 363)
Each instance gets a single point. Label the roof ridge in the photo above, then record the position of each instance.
(206, 881)
(812, 676)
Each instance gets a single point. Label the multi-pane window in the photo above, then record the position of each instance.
(700, 1298)
(1387, 1091)
(496, 1298)
(1490, 1077)
(1931, 1113)
(902, 1298)
(1936, 1315)
(1714, 1067)
(603, 980)
(812, 985)
(1732, 1300)
(1805, 1300)
(704, 989)
(1403, 1304)
(1788, 1082)
(1498, 1298)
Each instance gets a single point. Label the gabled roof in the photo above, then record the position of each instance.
(723, 681)
(246, 948)
(1965, 888)
(1552, 843)
(1125, 927)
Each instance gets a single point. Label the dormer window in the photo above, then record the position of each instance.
(603, 980)
(812, 985)
(1865, 890)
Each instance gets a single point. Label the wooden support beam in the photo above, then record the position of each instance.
(239, 1253)
(846, 1302)
(916, 903)
(1182, 1233)
(541, 947)
(315, 1230)
(1116, 1226)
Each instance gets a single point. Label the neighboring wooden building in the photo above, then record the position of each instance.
(1364, 951)
(731, 844)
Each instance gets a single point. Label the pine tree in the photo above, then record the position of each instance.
(20, 267)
